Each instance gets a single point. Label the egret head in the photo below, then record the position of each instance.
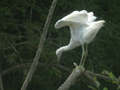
(60, 23)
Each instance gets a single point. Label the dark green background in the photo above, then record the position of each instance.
(21, 23)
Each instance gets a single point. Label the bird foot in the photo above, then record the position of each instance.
(78, 68)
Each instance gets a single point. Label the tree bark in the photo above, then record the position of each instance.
(40, 47)
(72, 78)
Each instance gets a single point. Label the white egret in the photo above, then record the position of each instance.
(83, 28)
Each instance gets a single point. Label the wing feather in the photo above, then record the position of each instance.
(92, 30)
(91, 17)
(74, 17)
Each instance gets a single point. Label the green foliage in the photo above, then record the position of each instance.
(110, 77)
(21, 23)
(114, 79)
(105, 88)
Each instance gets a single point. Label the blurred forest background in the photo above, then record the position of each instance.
(21, 25)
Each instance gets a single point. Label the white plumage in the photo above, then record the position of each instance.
(83, 28)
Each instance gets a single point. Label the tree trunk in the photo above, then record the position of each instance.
(40, 47)
(72, 78)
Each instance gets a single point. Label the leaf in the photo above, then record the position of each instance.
(105, 72)
(105, 88)
(111, 75)
(97, 82)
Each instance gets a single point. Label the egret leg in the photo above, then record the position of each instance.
(83, 54)
(86, 53)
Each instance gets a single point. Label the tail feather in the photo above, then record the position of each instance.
(97, 25)
(92, 30)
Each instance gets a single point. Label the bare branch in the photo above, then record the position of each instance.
(40, 47)
(25, 65)
(72, 78)
(18, 44)
(20, 66)
(98, 75)
(16, 51)
(87, 73)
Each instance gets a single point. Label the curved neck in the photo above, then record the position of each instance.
(64, 48)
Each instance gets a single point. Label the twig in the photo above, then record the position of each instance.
(99, 75)
(86, 73)
(62, 67)
(18, 44)
(19, 66)
(40, 47)
(25, 65)
(16, 51)
(72, 78)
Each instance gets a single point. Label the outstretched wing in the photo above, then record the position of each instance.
(91, 17)
(92, 30)
(74, 17)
